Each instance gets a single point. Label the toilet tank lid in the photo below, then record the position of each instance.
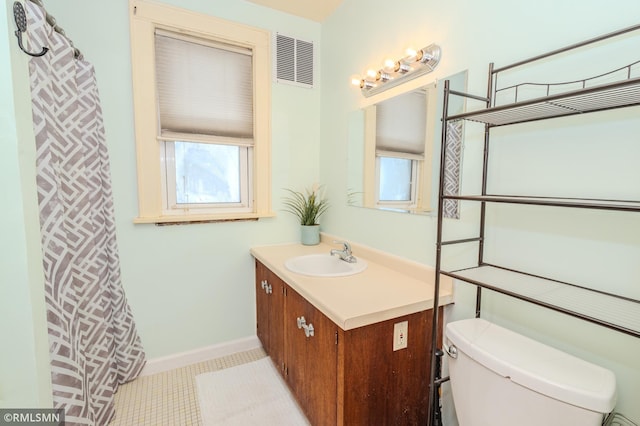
(534, 365)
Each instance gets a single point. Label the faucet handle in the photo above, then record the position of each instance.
(345, 245)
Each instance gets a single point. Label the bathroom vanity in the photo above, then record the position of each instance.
(332, 338)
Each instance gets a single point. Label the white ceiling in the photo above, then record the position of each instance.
(316, 10)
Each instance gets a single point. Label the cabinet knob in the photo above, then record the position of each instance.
(266, 286)
(308, 329)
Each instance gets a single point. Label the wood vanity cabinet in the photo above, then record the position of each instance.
(310, 359)
(270, 314)
(380, 386)
(307, 363)
(351, 377)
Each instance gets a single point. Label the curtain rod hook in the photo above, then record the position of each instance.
(20, 18)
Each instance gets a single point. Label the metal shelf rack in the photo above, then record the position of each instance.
(621, 94)
(614, 311)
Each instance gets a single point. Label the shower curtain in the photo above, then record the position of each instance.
(452, 166)
(93, 342)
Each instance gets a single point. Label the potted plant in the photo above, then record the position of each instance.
(308, 207)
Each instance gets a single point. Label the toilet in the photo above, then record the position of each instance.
(501, 378)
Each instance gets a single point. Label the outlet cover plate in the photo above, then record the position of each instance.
(400, 330)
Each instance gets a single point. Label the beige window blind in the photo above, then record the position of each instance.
(401, 125)
(204, 88)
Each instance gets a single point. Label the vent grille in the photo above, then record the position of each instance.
(294, 61)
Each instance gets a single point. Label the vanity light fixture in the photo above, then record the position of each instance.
(413, 65)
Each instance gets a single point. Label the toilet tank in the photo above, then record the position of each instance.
(501, 378)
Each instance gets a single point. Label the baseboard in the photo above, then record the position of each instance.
(162, 364)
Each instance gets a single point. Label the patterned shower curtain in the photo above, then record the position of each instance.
(93, 342)
(452, 166)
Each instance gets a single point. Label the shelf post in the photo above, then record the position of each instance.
(436, 290)
(485, 164)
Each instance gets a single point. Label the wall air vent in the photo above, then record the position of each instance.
(294, 61)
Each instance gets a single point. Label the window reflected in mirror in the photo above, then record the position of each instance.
(400, 142)
(393, 151)
(396, 180)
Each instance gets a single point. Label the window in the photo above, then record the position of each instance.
(397, 181)
(207, 175)
(201, 99)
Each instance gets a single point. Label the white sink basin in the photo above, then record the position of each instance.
(324, 265)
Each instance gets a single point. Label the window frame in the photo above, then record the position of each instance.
(145, 18)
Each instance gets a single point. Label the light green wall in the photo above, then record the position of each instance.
(362, 33)
(24, 360)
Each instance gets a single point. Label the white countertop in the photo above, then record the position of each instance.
(390, 287)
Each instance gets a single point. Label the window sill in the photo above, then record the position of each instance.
(202, 218)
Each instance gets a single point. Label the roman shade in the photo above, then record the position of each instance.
(401, 125)
(204, 88)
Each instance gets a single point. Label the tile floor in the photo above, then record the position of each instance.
(170, 398)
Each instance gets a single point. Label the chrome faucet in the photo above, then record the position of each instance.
(345, 253)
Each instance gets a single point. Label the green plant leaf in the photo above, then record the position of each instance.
(307, 207)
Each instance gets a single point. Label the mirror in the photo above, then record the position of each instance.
(393, 150)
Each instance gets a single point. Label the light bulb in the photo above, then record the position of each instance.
(411, 54)
(389, 65)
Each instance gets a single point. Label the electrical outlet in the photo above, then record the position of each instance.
(400, 330)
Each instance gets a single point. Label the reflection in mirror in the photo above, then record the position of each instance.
(391, 144)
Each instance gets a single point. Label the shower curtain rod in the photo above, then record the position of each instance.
(52, 21)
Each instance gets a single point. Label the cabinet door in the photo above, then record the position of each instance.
(383, 386)
(269, 314)
(311, 360)
(262, 306)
